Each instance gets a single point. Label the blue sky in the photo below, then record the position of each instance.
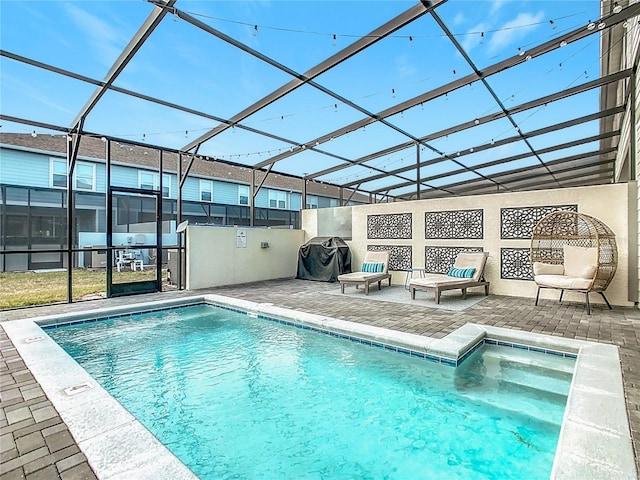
(184, 65)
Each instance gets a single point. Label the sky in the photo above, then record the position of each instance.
(182, 64)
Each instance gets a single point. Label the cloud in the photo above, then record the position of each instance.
(473, 38)
(496, 5)
(458, 19)
(404, 66)
(103, 36)
(513, 31)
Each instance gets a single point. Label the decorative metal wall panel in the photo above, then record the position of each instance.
(455, 224)
(400, 256)
(515, 264)
(393, 225)
(519, 222)
(440, 259)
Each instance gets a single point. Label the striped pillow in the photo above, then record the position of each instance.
(373, 267)
(461, 272)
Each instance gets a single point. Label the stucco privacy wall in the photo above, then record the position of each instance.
(216, 255)
(508, 256)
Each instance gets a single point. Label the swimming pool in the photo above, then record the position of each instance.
(238, 397)
(594, 440)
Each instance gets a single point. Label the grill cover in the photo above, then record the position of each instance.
(324, 258)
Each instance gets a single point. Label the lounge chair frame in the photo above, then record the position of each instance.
(438, 283)
(366, 278)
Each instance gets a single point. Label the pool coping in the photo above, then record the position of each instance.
(594, 442)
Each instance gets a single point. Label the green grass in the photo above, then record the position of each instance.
(23, 289)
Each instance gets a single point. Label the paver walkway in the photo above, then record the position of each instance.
(35, 443)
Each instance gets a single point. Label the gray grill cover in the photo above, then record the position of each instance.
(323, 259)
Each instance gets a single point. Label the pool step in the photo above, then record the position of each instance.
(538, 374)
(517, 381)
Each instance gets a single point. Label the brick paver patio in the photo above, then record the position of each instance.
(35, 443)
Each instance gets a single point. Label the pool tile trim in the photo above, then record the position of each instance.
(595, 440)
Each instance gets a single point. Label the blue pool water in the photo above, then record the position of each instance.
(239, 397)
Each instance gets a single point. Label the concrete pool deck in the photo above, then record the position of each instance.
(26, 451)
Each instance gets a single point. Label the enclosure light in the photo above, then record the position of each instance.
(521, 53)
(563, 43)
(34, 134)
(626, 24)
(476, 121)
(528, 57)
(471, 150)
(493, 142)
(104, 139)
(591, 26)
(601, 26)
(617, 8)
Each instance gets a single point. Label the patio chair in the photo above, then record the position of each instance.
(374, 270)
(466, 272)
(573, 252)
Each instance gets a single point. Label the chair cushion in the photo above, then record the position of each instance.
(577, 259)
(540, 268)
(475, 260)
(437, 279)
(563, 282)
(373, 267)
(461, 272)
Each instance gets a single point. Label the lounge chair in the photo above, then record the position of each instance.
(374, 270)
(466, 272)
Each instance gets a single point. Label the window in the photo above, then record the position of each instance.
(206, 190)
(85, 175)
(151, 181)
(312, 201)
(243, 195)
(59, 173)
(277, 199)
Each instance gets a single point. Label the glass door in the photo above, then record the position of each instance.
(134, 241)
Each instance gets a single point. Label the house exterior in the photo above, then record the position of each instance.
(33, 192)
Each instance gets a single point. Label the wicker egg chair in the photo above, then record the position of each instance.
(549, 242)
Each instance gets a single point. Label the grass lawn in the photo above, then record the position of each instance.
(22, 289)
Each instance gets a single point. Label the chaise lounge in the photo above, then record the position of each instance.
(374, 270)
(466, 272)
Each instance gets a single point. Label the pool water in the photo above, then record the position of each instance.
(240, 397)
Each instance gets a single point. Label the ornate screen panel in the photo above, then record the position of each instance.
(394, 225)
(455, 224)
(519, 222)
(515, 264)
(400, 256)
(440, 259)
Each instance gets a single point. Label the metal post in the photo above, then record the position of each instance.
(417, 171)
(109, 216)
(179, 217)
(252, 208)
(69, 219)
(304, 193)
(159, 224)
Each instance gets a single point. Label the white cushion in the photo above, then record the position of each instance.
(435, 279)
(540, 268)
(475, 260)
(360, 276)
(563, 282)
(577, 259)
